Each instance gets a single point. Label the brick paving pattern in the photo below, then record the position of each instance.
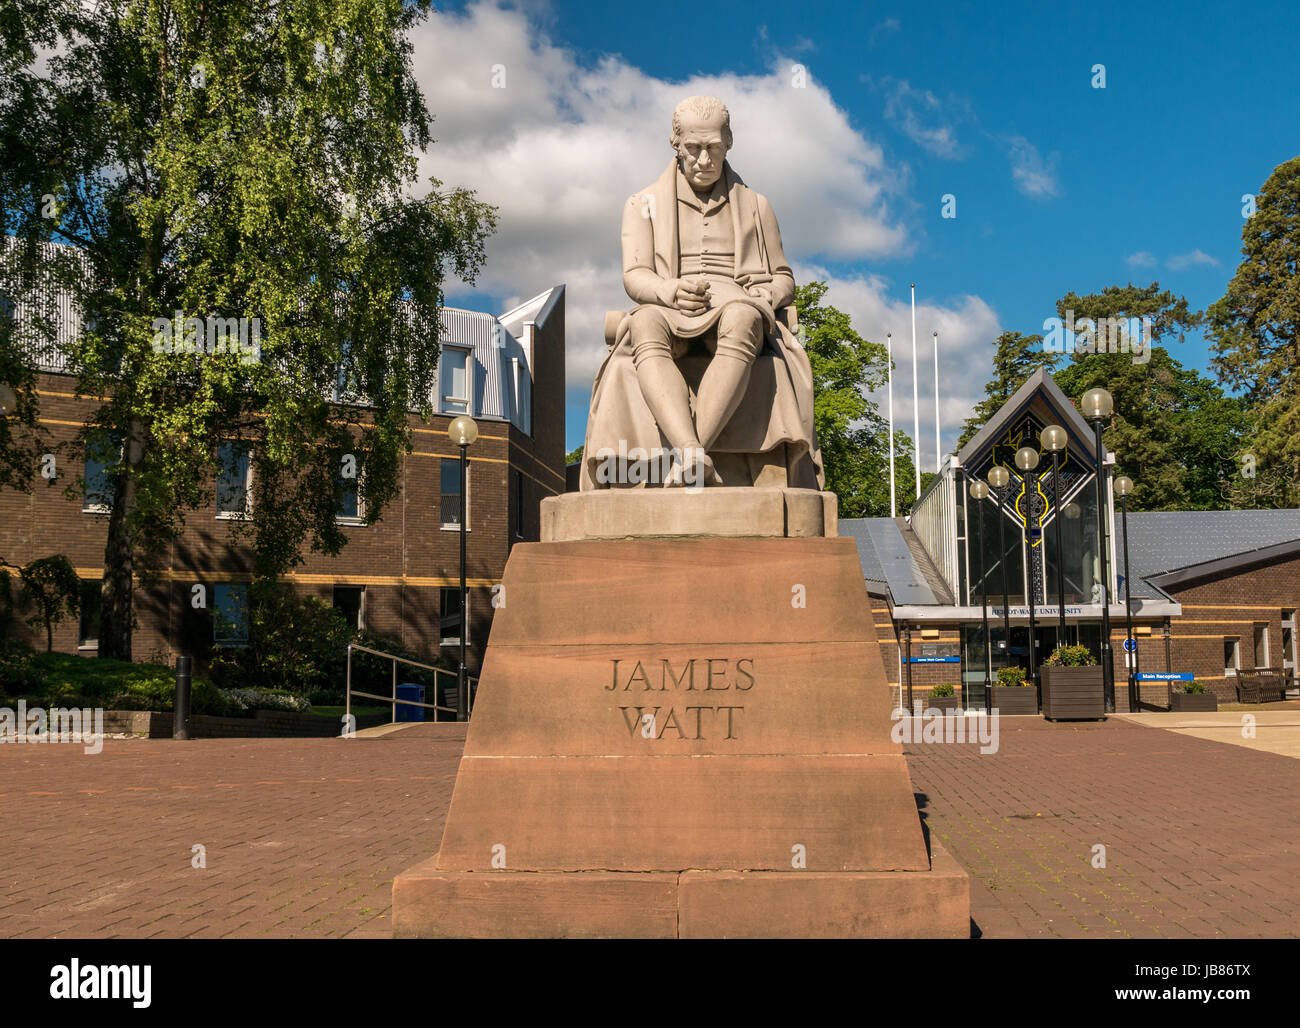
(1202, 839)
(304, 836)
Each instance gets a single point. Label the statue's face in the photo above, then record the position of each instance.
(701, 151)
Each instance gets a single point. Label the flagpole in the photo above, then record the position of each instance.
(889, 344)
(938, 447)
(916, 403)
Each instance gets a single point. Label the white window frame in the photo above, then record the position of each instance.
(231, 643)
(97, 508)
(233, 515)
(1230, 670)
(448, 404)
(451, 526)
(361, 607)
(359, 518)
(454, 640)
(1255, 629)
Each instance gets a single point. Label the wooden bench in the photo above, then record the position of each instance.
(1262, 685)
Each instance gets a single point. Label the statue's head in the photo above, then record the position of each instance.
(701, 136)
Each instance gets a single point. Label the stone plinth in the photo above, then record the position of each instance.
(720, 512)
(683, 737)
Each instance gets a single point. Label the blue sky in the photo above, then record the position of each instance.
(1059, 186)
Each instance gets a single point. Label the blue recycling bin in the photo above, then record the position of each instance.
(413, 694)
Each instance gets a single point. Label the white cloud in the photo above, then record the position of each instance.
(967, 328)
(921, 116)
(1141, 259)
(562, 146)
(1033, 174)
(1190, 260)
(883, 29)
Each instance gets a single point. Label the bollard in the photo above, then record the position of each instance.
(181, 717)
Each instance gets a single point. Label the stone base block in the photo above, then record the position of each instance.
(716, 512)
(431, 903)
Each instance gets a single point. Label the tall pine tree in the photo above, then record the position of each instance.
(1256, 333)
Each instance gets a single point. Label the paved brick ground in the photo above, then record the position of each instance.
(1202, 839)
(304, 836)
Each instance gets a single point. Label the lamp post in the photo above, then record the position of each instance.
(998, 477)
(1054, 441)
(1096, 405)
(1027, 461)
(1123, 487)
(979, 493)
(463, 432)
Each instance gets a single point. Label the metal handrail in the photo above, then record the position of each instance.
(471, 682)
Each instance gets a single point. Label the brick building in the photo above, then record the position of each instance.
(398, 576)
(1213, 592)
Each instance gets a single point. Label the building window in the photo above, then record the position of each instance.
(234, 473)
(450, 617)
(1288, 640)
(455, 376)
(1261, 645)
(1231, 655)
(103, 454)
(523, 397)
(449, 473)
(347, 487)
(230, 615)
(519, 504)
(88, 622)
(350, 601)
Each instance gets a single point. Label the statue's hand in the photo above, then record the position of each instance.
(761, 293)
(691, 297)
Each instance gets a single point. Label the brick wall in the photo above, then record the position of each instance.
(403, 560)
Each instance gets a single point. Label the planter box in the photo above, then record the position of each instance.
(1195, 701)
(943, 703)
(1015, 699)
(1073, 693)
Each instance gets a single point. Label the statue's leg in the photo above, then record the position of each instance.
(660, 379)
(740, 337)
(668, 398)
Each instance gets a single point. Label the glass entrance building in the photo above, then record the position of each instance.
(1041, 543)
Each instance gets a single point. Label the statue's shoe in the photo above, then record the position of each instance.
(694, 470)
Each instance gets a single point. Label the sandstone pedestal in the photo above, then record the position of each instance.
(683, 738)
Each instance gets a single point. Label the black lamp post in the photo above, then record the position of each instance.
(1096, 405)
(1054, 441)
(463, 432)
(1027, 461)
(979, 493)
(998, 478)
(1124, 486)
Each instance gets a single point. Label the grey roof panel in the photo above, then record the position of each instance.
(1169, 540)
(885, 555)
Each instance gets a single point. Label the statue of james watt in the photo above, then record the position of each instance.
(706, 382)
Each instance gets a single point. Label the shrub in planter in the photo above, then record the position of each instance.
(1194, 696)
(1012, 694)
(943, 697)
(1073, 687)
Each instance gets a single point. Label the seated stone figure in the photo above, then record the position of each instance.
(706, 382)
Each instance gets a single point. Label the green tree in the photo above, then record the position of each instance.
(573, 456)
(1015, 358)
(243, 160)
(1255, 327)
(53, 588)
(1174, 432)
(852, 434)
